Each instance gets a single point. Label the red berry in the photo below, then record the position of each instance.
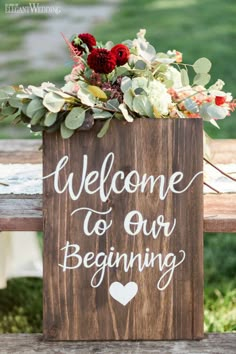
(219, 100)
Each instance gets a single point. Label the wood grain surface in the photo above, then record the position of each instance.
(21, 212)
(220, 212)
(20, 151)
(73, 310)
(213, 343)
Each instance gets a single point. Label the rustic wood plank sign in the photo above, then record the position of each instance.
(123, 224)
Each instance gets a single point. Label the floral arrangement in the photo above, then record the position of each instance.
(124, 81)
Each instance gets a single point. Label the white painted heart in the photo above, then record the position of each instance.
(123, 293)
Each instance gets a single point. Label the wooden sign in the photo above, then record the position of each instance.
(123, 232)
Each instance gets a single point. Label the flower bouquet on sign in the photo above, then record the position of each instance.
(124, 81)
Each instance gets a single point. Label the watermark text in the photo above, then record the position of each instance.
(32, 8)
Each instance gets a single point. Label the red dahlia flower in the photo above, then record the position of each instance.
(86, 38)
(102, 61)
(122, 54)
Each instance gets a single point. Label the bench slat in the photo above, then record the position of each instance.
(21, 212)
(24, 213)
(218, 343)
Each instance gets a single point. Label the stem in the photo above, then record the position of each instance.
(70, 94)
(4, 184)
(219, 170)
(183, 64)
(106, 109)
(215, 190)
(194, 94)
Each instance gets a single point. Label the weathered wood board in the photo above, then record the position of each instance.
(133, 241)
(217, 343)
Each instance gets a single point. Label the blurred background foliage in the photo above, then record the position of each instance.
(195, 27)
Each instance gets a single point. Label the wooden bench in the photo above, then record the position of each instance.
(24, 213)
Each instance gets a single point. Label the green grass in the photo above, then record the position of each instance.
(21, 306)
(220, 282)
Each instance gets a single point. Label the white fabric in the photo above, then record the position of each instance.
(20, 256)
(21, 178)
(215, 179)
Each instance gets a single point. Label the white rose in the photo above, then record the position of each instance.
(159, 97)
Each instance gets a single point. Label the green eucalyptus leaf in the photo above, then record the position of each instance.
(7, 110)
(146, 50)
(184, 77)
(75, 118)
(53, 102)
(85, 95)
(191, 105)
(202, 65)
(14, 115)
(38, 115)
(100, 114)
(34, 106)
(213, 122)
(3, 96)
(125, 113)
(168, 83)
(50, 119)
(143, 106)
(14, 101)
(129, 98)
(121, 70)
(126, 84)
(162, 68)
(139, 91)
(140, 82)
(104, 129)
(217, 112)
(66, 133)
(140, 65)
(113, 104)
(201, 79)
(118, 115)
(203, 111)
(109, 45)
(24, 107)
(24, 118)
(24, 95)
(37, 91)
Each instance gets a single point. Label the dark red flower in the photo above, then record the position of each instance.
(122, 54)
(102, 61)
(219, 100)
(86, 38)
